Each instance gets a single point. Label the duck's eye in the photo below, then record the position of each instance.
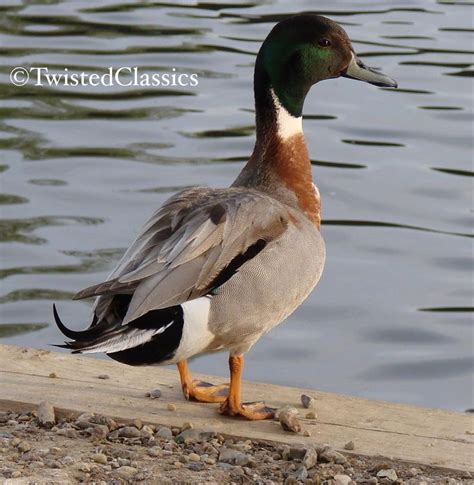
(324, 42)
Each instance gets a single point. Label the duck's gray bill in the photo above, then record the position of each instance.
(358, 70)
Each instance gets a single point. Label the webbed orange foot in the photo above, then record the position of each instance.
(205, 392)
(253, 411)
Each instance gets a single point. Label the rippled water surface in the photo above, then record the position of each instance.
(82, 168)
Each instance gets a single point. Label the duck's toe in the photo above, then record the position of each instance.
(206, 392)
(253, 411)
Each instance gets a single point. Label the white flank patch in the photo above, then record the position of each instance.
(196, 334)
(288, 125)
(126, 340)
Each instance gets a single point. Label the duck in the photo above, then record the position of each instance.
(215, 269)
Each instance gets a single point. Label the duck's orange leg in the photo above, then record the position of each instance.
(199, 390)
(233, 405)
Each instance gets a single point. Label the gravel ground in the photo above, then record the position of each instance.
(34, 448)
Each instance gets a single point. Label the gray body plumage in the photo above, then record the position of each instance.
(187, 244)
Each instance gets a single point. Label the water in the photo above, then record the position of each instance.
(83, 169)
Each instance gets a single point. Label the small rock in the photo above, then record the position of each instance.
(311, 415)
(188, 436)
(293, 453)
(88, 417)
(310, 458)
(289, 420)
(171, 407)
(194, 457)
(349, 445)
(331, 456)
(154, 394)
(196, 467)
(106, 421)
(97, 431)
(307, 401)
(46, 415)
(207, 435)
(342, 479)
(83, 467)
(23, 446)
(389, 473)
(187, 425)
(237, 471)
(103, 376)
(53, 375)
(129, 432)
(164, 433)
(126, 472)
(138, 423)
(99, 458)
(233, 457)
(113, 435)
(16, 474)
(154, 451)
(307, 432)
(301, 474)
(413, 472)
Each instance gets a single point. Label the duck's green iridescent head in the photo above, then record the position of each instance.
(305, 49)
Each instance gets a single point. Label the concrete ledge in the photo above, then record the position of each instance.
(413, 434)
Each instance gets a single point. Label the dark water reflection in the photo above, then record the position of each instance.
(83, 168)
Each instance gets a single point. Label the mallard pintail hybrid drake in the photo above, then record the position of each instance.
(215, 269)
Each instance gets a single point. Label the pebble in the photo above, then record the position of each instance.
(307, 401)
(342, 479)
(23, 446)
(188, 436)
(46, 416)
(293, 453)
(53, 375)
(138, 423)
(289, 420)
(237, 471)
(113, 435)
(194, 457)
(413, 472)
(187, 425)
(103, 376)
(310, 458)
(126, 472)
(233, 457)
(197, 467)
(97, 431)
(349, 445)
(301, 474)
(170, 407)
(164, 433)
(389, 473)
(311, 415)
(331, 456)
(154, 394)
(129, 432)
(307, 432)
(83, 467)
(154, 451)
(99, 458)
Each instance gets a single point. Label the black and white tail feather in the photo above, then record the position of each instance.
(152, 338)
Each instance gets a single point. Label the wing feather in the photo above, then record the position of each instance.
(187, 243)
